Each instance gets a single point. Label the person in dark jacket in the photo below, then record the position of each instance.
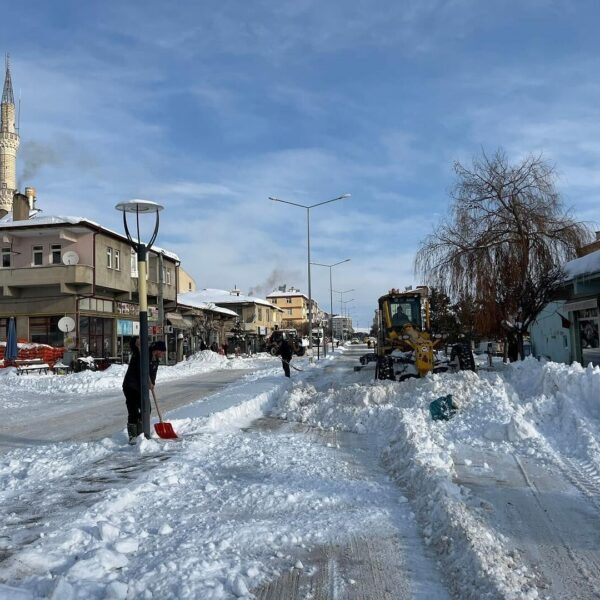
(132, 383)
(286, 353)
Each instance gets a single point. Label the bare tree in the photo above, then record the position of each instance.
(503, 243)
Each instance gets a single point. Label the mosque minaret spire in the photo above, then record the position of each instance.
(9, 144)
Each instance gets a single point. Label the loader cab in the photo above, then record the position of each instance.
(398, 311)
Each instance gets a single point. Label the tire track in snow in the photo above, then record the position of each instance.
(584, 476)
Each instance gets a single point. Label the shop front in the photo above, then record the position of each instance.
(126, 330)
(179, 336)
(585, 329)
(96, 335)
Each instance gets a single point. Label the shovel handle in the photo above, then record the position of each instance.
(156, 404)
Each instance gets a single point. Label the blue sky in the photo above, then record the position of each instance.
(211, 107)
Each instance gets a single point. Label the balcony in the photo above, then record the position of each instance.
(70, 278)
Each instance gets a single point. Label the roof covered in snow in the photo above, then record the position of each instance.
(37, 220)
(584, 265)
(186, 300)
(215, 296)
(287, 294)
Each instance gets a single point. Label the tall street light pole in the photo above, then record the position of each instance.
(341, 304)
(310, 308)
(330, 267)
(346, 315)
(140, 207)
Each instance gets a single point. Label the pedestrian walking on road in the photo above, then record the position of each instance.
(286, 353)
(132, 383)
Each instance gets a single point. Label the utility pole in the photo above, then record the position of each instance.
(330, 267)
(307, 208)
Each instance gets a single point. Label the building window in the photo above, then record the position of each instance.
(38, 256)
(289, 310)
(260, 314)
(168, 276)
(288, 300)
(190, 286)
(5, 258)
(109, 258)
(55, 254)
(44, 330)
(117, 260)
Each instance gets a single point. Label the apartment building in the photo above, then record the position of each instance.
(52, 266)
(294, 305)
(186, 282)
(342, 327)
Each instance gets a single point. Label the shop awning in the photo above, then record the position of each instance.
(179, 322)
(580, 305)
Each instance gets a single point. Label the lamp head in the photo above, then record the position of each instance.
(139, 206)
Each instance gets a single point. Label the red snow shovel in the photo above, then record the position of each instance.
(163, 430)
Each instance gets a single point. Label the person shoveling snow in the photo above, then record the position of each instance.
(132, 381)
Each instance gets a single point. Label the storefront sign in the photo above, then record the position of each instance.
(124, 327)
(126, 308)
(133, 310)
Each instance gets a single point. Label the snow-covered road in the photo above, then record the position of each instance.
(88, 406)
(328, 486)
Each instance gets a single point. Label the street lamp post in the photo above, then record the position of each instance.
(139, 207)
(342, 305)
(330, 267)
(342, 197)
(346, 315)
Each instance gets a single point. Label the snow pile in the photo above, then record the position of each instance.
(112, 378)
(210, 516)
(563, 402)
(419, 453)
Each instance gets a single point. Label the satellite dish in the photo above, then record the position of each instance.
(70, 258)
(66, 324)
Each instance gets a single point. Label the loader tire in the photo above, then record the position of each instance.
(463, 357)
(274, 350)
(301, 351)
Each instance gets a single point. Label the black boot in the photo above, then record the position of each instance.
(132, 432)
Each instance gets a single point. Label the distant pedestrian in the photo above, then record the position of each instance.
(214, 347)
(337, 343)
(225, 348)
(286, 353)
(132, 384)
(203, 345)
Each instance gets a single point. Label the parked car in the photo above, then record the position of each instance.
(293, 338)
(355, 341)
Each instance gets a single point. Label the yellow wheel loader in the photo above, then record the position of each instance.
(405, 347)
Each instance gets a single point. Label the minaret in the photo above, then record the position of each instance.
(9, 144)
